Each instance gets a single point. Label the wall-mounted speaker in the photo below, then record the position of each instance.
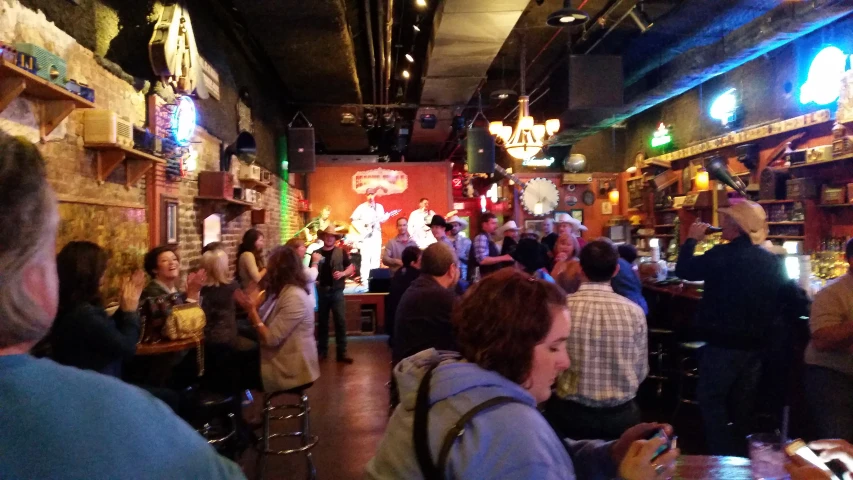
(481, 151)
(300, 150)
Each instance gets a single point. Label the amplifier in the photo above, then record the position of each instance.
(801, 188)
(106, 127)
(771, 184)
(48, 65)
(216, 184)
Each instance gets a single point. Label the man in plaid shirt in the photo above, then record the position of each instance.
(608, 350)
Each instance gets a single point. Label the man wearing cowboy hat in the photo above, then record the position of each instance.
(368, 219)
(461, 244)
(570, 226)
(509, 234)
(736, 317)
(439, 227)
(335, 267)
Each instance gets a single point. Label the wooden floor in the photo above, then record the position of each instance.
(349, 410)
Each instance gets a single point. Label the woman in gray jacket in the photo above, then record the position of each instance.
(288, 349)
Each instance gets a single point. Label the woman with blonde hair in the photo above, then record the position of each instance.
(567, 267)
(231, 359)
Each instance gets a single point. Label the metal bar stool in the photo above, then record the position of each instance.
(215, 420)
(688, 374)
(658, 355)
(301, 411)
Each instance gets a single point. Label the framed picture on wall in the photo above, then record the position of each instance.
(577, 214)
(534, 225)
(169, 220)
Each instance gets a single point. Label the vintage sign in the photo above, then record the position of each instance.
(388, 182)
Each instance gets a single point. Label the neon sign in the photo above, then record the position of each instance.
(538, 162)
(184, 121)
(661, 136)
(724, 107)
(823, 83)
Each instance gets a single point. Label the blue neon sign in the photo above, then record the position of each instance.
(184, 121)
(724, 107)
(823, 84)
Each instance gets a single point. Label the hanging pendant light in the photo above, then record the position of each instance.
(527, 138)
(567, 16)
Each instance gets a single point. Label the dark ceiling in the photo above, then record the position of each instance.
(334, 57)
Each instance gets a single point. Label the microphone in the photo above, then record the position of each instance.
(717, 168)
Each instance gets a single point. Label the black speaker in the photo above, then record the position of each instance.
(380, 280)
(481, 151)
(300, 150)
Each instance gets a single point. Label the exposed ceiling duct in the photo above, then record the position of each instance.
(467, 36)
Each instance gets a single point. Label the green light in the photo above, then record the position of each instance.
(284, 203)
(663, 140)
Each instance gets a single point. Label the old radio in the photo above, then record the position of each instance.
(801, 188)
(249, 172)
(796, 157)
(48, 65)
(216, 184)
(80, 89)
(772, 184)
(832, 195)
(105, 127)
(819, 154)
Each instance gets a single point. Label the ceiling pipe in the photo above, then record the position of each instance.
(368, 23)
(613, 27)
(389, 25)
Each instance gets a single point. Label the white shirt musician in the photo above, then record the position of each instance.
(419, 225)
(367, 219)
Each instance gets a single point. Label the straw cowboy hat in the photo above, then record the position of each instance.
(566, 218)
(750, 217)
(455, 219)
(510, 225)
(330, 230)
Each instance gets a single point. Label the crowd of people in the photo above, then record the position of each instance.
(531, 352)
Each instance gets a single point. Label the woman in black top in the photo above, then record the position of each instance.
(83, 335)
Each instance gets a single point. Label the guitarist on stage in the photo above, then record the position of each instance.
(368, 219)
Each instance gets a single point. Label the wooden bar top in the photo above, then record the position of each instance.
(700, 467)
(166, 347)
(692, 292)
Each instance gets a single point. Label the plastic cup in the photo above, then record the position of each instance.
(767, 457)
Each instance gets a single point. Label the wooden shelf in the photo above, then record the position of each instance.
(110, 156)
(227, 201)
(58, 102)
(840, 205)
(775, 202)
(785, 237)
(824, 162)
(255, 185)
(665, 226)
(785, 223)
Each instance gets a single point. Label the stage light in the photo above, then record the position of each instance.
(410, 58)
(406, 74)
(823, 83)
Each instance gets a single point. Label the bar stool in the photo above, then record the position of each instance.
(658, 353)
(688, 374)
(215, 420)
(301, 411)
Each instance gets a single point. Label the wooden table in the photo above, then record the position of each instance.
(166, 346)
(358, 300)
(700, 467)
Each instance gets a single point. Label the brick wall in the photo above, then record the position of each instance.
(71, 168)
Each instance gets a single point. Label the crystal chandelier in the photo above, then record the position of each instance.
(527, 138)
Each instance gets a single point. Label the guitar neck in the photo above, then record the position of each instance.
(518, 183)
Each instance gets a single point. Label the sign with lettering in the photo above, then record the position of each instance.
(387, 182)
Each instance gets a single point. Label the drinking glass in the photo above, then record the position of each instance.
(767, 456)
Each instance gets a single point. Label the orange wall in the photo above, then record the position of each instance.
(332, 185)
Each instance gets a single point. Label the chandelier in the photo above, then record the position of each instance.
(527, 138)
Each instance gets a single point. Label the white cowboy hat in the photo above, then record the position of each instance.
(566, 218)
(510, 225)
(455, 219)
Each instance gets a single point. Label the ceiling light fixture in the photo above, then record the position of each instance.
(421, 3)
(527, 139)
(416, 28)
(567, 16)
(410, 58)
(406, 74)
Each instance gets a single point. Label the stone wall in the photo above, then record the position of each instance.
(71, 168)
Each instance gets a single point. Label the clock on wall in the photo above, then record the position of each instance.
(540, 197)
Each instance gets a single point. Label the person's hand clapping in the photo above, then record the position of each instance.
(195, 280)
(131, 289)
(697, 231)
(640, 463)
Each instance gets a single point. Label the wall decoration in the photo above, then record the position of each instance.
(540, 196)
(183, 120)
(577, 214)
(588, 197)
(571, 200)
(389, 182)
(725, 106)
(169, 217)
(173, 51)
(212, 229)
(823, 84)
(606, 208)
(661, 136)
(635, 192)
(210, 78)
(535, 225)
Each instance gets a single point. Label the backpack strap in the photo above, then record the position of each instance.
(421, 435)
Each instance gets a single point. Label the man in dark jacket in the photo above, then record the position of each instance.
(423, 316)
(736, 317)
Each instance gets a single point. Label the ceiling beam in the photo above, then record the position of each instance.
(787, 22)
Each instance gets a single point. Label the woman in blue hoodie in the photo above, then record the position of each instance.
(512, 331)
